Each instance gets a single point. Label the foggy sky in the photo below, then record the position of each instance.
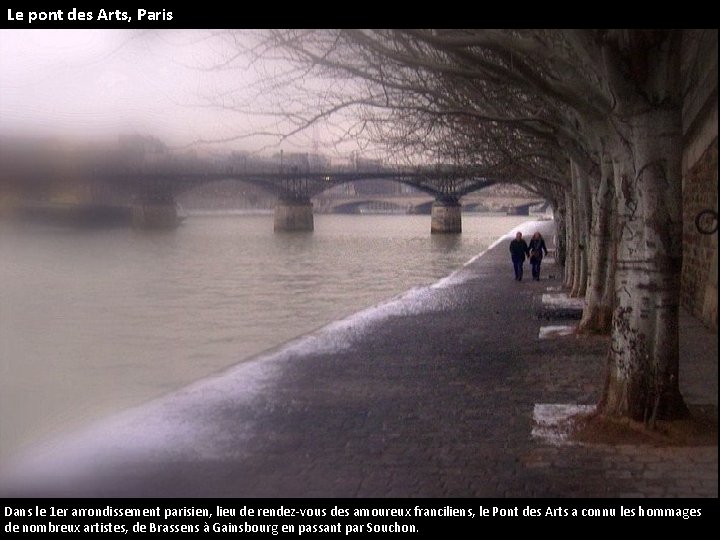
(101, 83)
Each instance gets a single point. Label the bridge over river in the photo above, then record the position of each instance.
(418, 203)
(148, 192)
(155, 194)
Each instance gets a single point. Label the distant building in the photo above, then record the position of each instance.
(141, 146)
(302, 161)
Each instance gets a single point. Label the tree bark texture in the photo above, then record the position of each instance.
(581, 190)
(643, 362)
(597, 314)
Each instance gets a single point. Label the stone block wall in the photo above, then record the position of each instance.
(699, 273)
(700, 172)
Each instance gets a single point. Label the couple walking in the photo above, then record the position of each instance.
(535, 251)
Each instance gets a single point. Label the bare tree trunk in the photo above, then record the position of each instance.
(597, 315)
(642, 376)
(643, 71)
(560, 232)
(581, 190)
(570, 247)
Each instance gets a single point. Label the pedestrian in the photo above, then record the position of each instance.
(538, 250)
(518, 251)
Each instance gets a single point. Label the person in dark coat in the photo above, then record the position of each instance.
(537, 251)
(518, 251)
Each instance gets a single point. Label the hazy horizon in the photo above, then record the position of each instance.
(96, 84)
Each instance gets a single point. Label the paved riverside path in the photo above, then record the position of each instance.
(435, 401)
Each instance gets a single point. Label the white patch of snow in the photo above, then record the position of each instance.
(562, 300)
(549, 421)
(549, 332)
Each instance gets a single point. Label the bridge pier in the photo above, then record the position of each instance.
(523, 210)
(155, 214)
(294, 215)
(445, 217)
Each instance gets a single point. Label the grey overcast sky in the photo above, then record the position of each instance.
(99, 83)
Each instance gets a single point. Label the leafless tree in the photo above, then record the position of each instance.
(589, 117)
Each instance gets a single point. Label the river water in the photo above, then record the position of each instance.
(95, 321)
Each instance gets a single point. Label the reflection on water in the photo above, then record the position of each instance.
(94, 321)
